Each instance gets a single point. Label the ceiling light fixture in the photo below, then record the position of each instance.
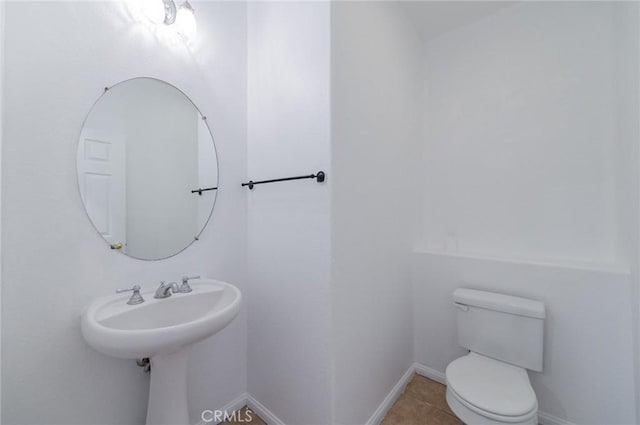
(186, 21)
(169, 12)
(181, 18)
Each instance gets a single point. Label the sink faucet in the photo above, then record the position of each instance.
(165, 289)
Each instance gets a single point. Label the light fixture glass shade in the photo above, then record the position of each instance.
(186, 21)
(153, 10)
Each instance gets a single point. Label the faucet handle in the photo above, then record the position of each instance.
(185, 284)
(186, 279)
(133, 288)
(136, 298)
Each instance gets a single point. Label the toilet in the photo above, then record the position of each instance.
(504, 336)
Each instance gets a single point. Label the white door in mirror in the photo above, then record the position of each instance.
(102, 180)
(163, 330)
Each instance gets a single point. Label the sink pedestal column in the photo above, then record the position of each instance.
(168, 389)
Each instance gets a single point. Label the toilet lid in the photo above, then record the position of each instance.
(492, 386)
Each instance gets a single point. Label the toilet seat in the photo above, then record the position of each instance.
(492, 389)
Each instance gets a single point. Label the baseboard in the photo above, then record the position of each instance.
(234, 405)
(246, 400)
(430, 373)
(547, 419)
(263, 412)
(391, 398)
(382, 410)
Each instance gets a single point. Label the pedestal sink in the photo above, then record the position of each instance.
(163, 330)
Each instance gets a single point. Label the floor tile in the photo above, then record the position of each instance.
(422, 403)
(429, 391)
(408, 411)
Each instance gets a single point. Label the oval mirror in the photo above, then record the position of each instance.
(147, 169)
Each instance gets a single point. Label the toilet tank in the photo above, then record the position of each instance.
(506, 328)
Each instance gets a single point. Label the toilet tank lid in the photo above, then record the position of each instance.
(499, 302)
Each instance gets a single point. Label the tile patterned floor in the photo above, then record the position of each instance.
(422, 403)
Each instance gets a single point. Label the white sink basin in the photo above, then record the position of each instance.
(162, 329)
(113, 327)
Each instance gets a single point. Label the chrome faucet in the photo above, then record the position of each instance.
(165, 289)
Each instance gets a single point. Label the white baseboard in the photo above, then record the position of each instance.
(430, 373)
(246, 400)
(234, 405)
(263, 412)
(382, 410)
(391, 398)
(547, 419)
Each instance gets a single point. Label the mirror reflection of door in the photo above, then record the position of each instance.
(143, 150)
(102, 181)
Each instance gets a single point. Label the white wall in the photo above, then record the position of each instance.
(288, 297)
(627, 91)
(520, 122)
(207, 173)
(530, 189)
(376, 97)
(1, 139)
(59, 56)
(160, 197)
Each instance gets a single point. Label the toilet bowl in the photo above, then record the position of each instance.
(504, 336)
(481, 390)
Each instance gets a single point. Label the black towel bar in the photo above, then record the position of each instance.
(199, 191)
(319, 176)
